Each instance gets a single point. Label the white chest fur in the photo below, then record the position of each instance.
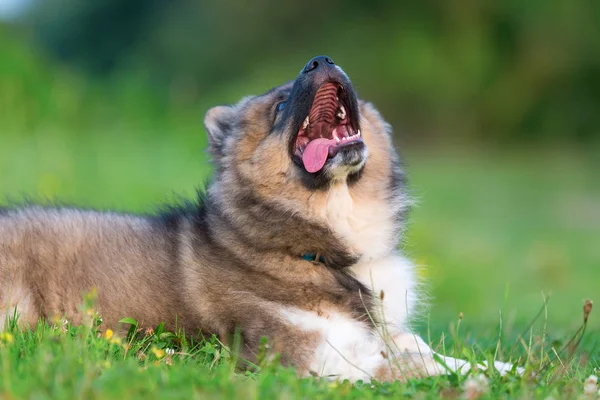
(366, 226)
(395, 288)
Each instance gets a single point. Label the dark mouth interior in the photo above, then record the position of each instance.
(328, 118)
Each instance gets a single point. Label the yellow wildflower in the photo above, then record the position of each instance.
(158, 353)
(7, 337)
(108, 334)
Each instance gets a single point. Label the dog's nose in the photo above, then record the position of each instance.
(318, 63)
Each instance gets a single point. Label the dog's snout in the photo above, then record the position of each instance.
(318, 63)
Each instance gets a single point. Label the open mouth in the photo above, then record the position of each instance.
(326, 129)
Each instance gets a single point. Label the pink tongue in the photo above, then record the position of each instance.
(315, 154)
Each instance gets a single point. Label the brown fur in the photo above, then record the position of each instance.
(230, 261)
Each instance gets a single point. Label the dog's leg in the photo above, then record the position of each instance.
(343, 348)
(437, 364)
(405, 356)
(459, 366)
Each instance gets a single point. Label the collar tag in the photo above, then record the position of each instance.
(314, 257)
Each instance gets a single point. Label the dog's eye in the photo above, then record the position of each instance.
(281, 106)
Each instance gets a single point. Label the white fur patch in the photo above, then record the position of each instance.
(367, 227)
(393, 275)
(346, 349)
(349, 350)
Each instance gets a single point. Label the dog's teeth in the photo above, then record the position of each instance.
(335, 135)
(341, 112)
(305, 123)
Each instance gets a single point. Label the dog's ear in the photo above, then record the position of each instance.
(219, 123)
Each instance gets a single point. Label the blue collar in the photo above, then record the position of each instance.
(314, 257)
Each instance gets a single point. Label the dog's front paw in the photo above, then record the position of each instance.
(505, 368)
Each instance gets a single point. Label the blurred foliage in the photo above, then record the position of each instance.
(500, 71)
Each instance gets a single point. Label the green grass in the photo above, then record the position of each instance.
(56, 360)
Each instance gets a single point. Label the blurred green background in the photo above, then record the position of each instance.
(494, 106)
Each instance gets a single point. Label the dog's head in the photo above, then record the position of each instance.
(293, 145)
(316, 117)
